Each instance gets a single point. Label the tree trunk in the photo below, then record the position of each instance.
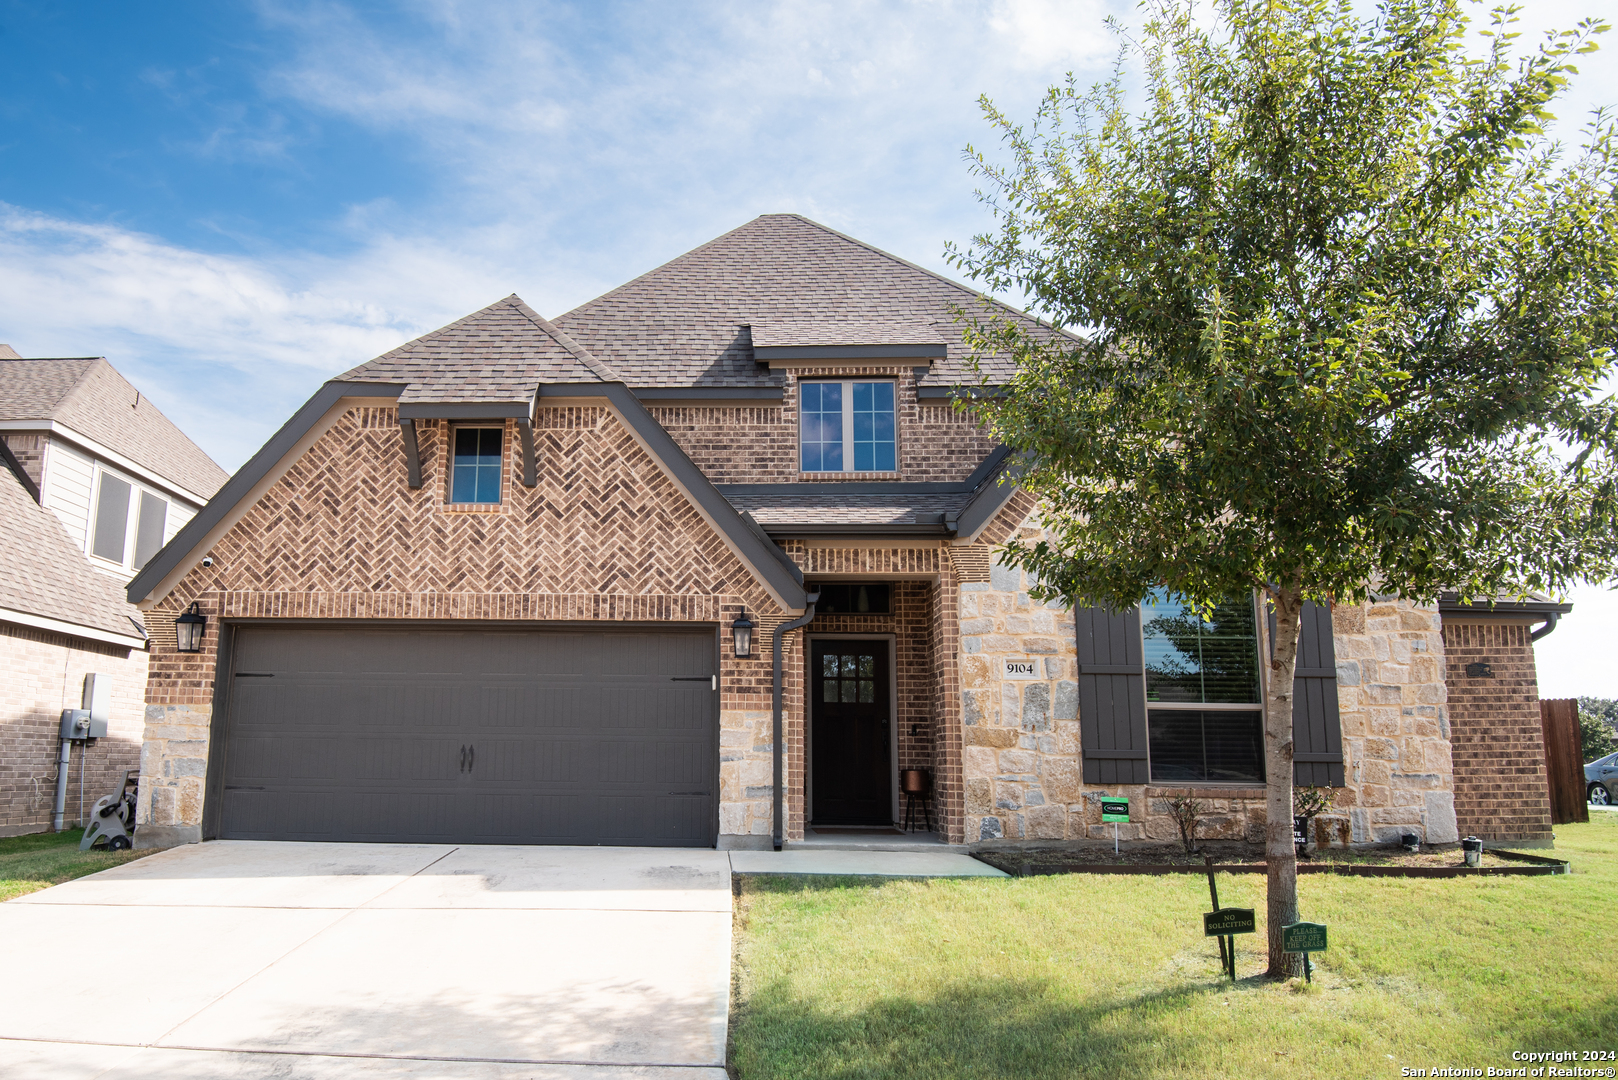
(1281, 856)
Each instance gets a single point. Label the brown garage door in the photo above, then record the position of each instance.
(478, 736)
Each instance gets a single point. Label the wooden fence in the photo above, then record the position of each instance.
(1564, 760)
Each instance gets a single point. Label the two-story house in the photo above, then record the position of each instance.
(95, 480)
(710, 561)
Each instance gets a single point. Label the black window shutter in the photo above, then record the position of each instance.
(1112, 696)
(1317, 730)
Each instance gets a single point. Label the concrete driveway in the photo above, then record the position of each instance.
(237, 960)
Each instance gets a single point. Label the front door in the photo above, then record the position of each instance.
(850, 699)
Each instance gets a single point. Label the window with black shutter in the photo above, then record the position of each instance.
(1112, 707)
(1317, 731)
(1167, 696)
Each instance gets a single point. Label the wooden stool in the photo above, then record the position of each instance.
(917, 784)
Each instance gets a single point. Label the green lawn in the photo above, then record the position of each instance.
(1084, 975)
(40, 860)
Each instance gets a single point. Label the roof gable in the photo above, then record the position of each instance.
(47, 575)
(89, 396)
(499, 354)
(781, 280)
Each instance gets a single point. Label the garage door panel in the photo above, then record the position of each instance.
(356, 733)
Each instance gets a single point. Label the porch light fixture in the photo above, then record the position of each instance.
(741, 632)
(188, 629)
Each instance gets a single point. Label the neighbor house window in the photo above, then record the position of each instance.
(111, 537)
(1202, 692)
(847, 426)
(475, 472)
(154, 513)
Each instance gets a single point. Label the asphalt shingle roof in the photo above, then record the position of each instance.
(499, 354)
(45, 572)
(88, 395)
(793, 281)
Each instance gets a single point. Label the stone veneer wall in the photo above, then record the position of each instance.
(1502, 792)
(605, 536)
(1023, 766)
(42, 673)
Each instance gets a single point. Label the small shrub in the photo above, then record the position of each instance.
(1309, 803)
(1187, 813)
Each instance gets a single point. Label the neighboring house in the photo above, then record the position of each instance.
(93, 480)
(491, 586)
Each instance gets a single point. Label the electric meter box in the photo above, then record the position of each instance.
(82, 724)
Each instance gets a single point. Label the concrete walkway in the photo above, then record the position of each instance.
(248, 960)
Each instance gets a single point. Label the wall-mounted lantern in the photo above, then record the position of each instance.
(741, 632)
(188, 629)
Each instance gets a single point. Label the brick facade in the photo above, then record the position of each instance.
(42, 673)
(604, 536)
(759, 445)
(29, 450)
(1501, 789)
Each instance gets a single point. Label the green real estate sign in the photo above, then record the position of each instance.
(1114, 809)
(1231, 920)
(1304, 937)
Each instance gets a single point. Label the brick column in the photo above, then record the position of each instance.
(949, 792)
(1498, 746)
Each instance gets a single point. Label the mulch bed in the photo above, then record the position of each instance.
(1430, 862)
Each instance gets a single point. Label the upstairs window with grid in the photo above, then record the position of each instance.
(475, 470)
(847, 426)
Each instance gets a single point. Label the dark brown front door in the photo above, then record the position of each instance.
(850, 698)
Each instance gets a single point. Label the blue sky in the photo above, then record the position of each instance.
(234, 202)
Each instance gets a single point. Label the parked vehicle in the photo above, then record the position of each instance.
(1602, 777)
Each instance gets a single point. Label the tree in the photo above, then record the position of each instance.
(1598, 726)
(1345, 308)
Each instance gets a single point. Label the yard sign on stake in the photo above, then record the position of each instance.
(1114, 808)
(1304, 937)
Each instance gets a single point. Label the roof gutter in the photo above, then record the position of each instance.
(1551, 619)
(777, 825)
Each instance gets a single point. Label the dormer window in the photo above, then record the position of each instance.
(847, 426)
(475, 472)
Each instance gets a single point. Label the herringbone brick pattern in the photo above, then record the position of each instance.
(1004, 525)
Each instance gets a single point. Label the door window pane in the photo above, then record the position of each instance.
(476, 471)
(1191, 659)
(873, 427)
(149, 527)
(821, 425)
(112, 519)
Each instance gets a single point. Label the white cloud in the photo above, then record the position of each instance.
(1576, 660)
(1053, 32)
(228, 346)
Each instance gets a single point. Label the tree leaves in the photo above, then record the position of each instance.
(1347, 311)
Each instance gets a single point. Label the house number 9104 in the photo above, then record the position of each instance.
(1022, 669)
